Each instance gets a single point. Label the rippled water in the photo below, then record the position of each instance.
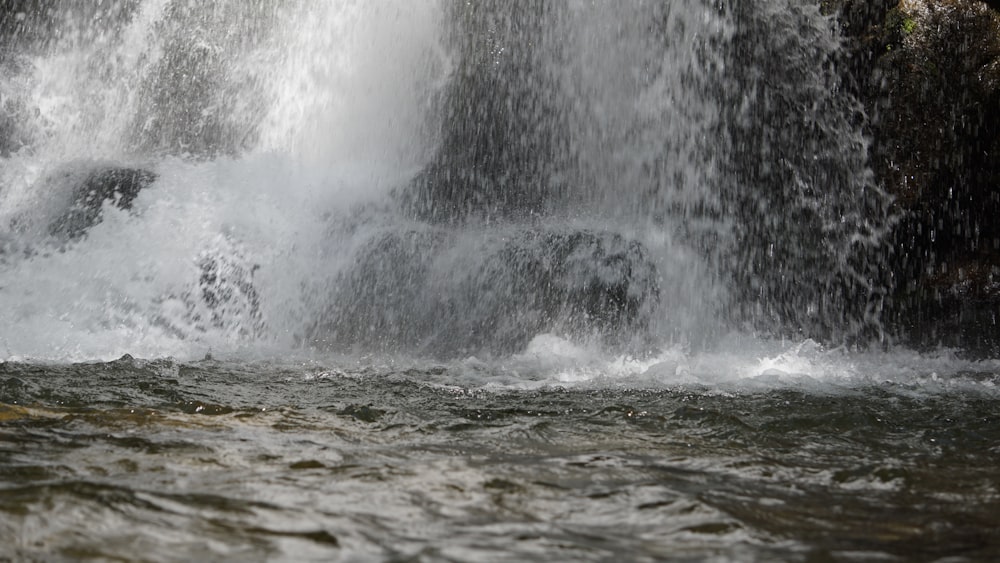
(392, 460)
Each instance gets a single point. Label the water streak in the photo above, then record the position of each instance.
(288, 137)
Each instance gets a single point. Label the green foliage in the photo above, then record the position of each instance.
(898, 25)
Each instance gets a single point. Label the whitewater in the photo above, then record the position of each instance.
(286, 335)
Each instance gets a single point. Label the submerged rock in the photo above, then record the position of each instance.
(119, 186)
(223, 298)
(439, 293)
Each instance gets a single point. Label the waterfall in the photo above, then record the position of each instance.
(809, 218)
(436, 177)
(264, 123)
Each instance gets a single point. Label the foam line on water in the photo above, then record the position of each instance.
(739, 364)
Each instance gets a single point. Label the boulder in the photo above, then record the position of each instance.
(440, 293)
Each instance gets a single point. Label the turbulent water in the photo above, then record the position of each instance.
(799, 456)
(224, 367)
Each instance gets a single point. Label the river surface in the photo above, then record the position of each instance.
(804, 455)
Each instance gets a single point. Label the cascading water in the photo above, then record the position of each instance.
(283, 136)
(262, 122)
(455, 280)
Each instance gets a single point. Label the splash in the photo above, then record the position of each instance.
(593, 171)
(263, 129)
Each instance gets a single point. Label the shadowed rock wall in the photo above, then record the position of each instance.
(929, 72)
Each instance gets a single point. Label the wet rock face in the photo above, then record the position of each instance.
(939, 119)
(805, 213)
(498, 129)
(22, 20)
(939, 153)
(24, 23)
(433, 292)
(193, 102)
(16, 109)
(929, 72)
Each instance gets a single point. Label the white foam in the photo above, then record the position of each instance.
(345, 87)
(738, 364)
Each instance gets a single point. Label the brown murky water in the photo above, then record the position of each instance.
(160, 461)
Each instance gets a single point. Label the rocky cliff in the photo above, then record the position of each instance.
(929, 74)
